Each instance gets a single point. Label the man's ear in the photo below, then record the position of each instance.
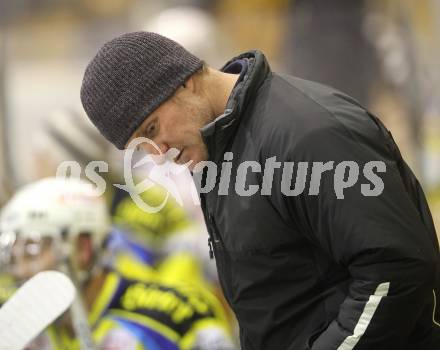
(189, 84)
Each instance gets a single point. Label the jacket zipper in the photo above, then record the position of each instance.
(213, 236)
(216, 244)
(211, 251)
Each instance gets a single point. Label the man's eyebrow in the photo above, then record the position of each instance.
(141, 129)
(135, 135)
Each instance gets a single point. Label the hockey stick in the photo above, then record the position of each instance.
(78, 312)
(33, 307)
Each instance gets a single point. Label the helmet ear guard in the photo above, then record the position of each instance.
(7, 240)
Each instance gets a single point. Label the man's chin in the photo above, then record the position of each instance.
(192, 165)
(196, 165)
(191, 159)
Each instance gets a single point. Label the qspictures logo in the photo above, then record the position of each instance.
(295, 178)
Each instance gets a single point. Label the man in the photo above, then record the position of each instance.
(329, 261)
(61, 224)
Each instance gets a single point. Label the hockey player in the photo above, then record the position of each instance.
(61, 224)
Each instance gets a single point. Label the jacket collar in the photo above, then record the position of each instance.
(220, 132)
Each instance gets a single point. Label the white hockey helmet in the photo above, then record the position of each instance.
(58, 208)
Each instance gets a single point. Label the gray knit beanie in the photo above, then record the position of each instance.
(129, 78)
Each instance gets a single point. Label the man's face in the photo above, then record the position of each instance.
(30, 256)
(176, 124)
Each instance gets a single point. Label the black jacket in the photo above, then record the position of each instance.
(314, 271)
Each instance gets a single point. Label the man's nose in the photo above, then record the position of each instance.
(155, 149)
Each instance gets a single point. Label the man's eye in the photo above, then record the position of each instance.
(150, 130)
